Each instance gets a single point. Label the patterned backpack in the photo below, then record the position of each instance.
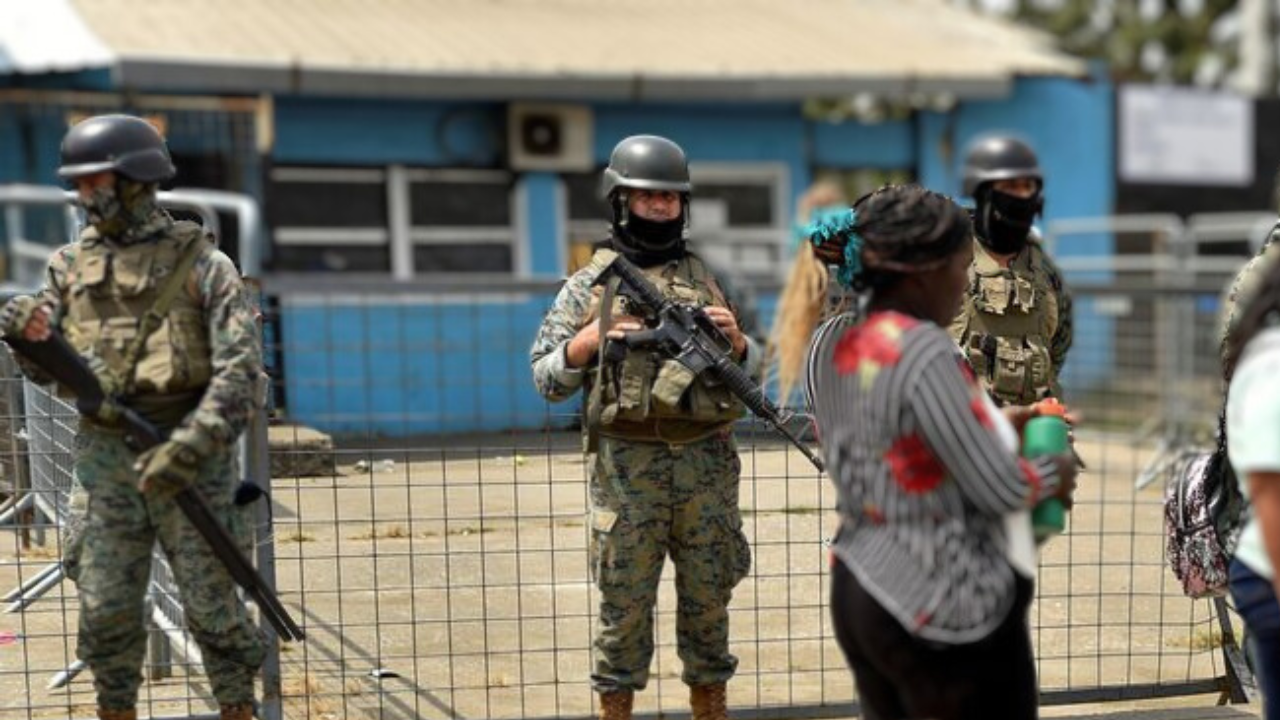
(1204, 512)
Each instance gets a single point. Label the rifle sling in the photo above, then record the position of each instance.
(594, 407)
(159, 310)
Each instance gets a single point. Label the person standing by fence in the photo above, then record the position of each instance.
(193, 373)
(1015, 324)
(929, 593)
(1253, 426)
(664, 467)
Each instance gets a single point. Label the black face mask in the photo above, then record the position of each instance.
(1004, 221)
(650, 242)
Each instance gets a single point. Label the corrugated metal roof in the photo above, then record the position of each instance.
(588, 48)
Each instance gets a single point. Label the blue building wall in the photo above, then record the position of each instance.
(396, 365)
(380, 365)
(387, 366)
(381, 132)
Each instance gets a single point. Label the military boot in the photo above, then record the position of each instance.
(105, 714)
(708, 702)
(616, 705)
(243, 711)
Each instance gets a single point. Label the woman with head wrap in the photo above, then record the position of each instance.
(930, 576)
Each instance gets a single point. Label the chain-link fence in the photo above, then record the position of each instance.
(429, 515)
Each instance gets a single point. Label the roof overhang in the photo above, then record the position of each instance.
(663, 50)
(178, 75)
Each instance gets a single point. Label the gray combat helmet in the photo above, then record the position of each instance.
(126, 145)
(998, 157)
(646, 162)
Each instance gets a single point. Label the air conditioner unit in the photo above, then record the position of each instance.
(549, 137)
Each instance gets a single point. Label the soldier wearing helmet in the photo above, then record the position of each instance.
(163, 318)
(1014, 325)
(663, 463)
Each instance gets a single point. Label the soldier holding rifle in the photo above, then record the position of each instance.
(664, 467)
(162, 318)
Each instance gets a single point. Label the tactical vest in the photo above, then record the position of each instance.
(1006, 323)
(648, 396)
(111, 288)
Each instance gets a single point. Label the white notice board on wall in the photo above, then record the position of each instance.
(1184, 136)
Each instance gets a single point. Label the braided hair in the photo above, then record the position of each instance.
(887, 234)
(891, 232)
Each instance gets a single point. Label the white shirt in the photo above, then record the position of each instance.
(1253, 432)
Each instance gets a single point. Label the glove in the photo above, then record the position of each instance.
(16, 314)
(170, 467)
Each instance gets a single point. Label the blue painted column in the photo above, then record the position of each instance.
(543, 202)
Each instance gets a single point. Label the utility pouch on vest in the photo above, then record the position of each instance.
(118, 333)
(981, 357)
(132, 271)
(713, 404)
(633, 377)
(671, 384)
(92, 272)
(994, 295)
(1038, 365)
(1024, 294)
(1010, 372)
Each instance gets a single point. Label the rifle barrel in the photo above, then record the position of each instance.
(57, 358)
(224, 546)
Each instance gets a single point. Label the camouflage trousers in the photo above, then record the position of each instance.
(650, 500)
(113, 569)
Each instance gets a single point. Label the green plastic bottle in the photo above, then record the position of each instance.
(1046, 434)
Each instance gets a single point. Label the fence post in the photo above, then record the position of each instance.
(1241, 685)
(255, 459)
(159, 652)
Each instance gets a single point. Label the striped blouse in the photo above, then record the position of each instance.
(922, 479)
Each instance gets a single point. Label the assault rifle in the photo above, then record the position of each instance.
(691, 338)
(56, 357)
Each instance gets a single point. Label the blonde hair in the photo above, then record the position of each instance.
(899, 229)
(820, 194)
(804, 296)
(800, 306)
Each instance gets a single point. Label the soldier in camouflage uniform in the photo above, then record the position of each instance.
(196, 377)
(1015, 323)
(663, 463)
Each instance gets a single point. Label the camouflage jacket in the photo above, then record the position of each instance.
(573, 306)
(233, 393)
(1244, 284)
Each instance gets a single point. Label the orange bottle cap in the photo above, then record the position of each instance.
(1050, 406)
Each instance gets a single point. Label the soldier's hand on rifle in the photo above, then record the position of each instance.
(24, 315)
(728, 324)
(585, 345)
(38, 327)
(169, 466)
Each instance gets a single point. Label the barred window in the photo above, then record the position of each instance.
(461, 221)
(395, 220)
